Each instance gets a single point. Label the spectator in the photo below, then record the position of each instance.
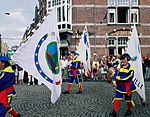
(104, 68)
(144, 68)
(95, 64)
(21, 75)
(15, 69)
(30, 81)
(64, 68)
(95, 68)
(147, 63)
(114, 65)
(16, 74)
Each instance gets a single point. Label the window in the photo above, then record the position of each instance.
(68, 1)
(117, 45)
(63, 1)
(56, 2)
(111, 16)
(122, 41)
(59, 14)
(134, 2)
(134, 16)
(49, 4)
(123, 14)
(111, 2)
(123, 2)
(68, 13)
(111, 42)
(123, 11)
(111, 51)
(64, 12)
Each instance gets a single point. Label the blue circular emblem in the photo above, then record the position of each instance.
(51, 58)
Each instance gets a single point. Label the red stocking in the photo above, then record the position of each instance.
(69, 86)
(129, 104)
(13, 113)
(116, 105)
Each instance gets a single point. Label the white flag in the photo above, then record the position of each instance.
(84, 52)
(40, 55)
(136, 61)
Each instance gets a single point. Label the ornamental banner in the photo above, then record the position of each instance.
(136, 61)
(39, 56)
(84, 52)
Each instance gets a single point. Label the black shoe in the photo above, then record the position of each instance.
(143, 104)
(79, 92)
(18, 115)
(128, 113)
(66, 92)
(113, 113)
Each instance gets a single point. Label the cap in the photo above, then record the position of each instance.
(74, 52)
(4, 58)
(126, 55)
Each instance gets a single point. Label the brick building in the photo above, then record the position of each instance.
(108, 22)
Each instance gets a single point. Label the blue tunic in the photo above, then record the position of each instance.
(7, 79)
(123, 78)
(75, 65)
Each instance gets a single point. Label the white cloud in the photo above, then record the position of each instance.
(19, 17)
(21, 29)
(15, 24)
(2, 29)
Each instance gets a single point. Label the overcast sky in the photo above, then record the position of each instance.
(21, 16)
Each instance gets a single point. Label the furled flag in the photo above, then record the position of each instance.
(40, 55)
(136, 61)
(84, 52)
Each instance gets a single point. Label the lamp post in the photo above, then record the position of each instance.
(106, 44)
(76, 37)
(94, 26)
(9, 13)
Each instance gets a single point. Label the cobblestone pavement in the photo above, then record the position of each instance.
(95, 101)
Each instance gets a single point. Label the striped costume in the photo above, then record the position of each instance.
(125, 86)
(74, 75)
(7, 91)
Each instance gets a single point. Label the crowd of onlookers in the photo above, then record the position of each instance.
(21, 76)
(100, 69)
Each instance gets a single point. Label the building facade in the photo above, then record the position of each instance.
(3, 47)
(64, 21)
(108, 22)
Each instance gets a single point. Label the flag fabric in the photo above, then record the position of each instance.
(84, 52)
(136, 61)
(39, 56)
